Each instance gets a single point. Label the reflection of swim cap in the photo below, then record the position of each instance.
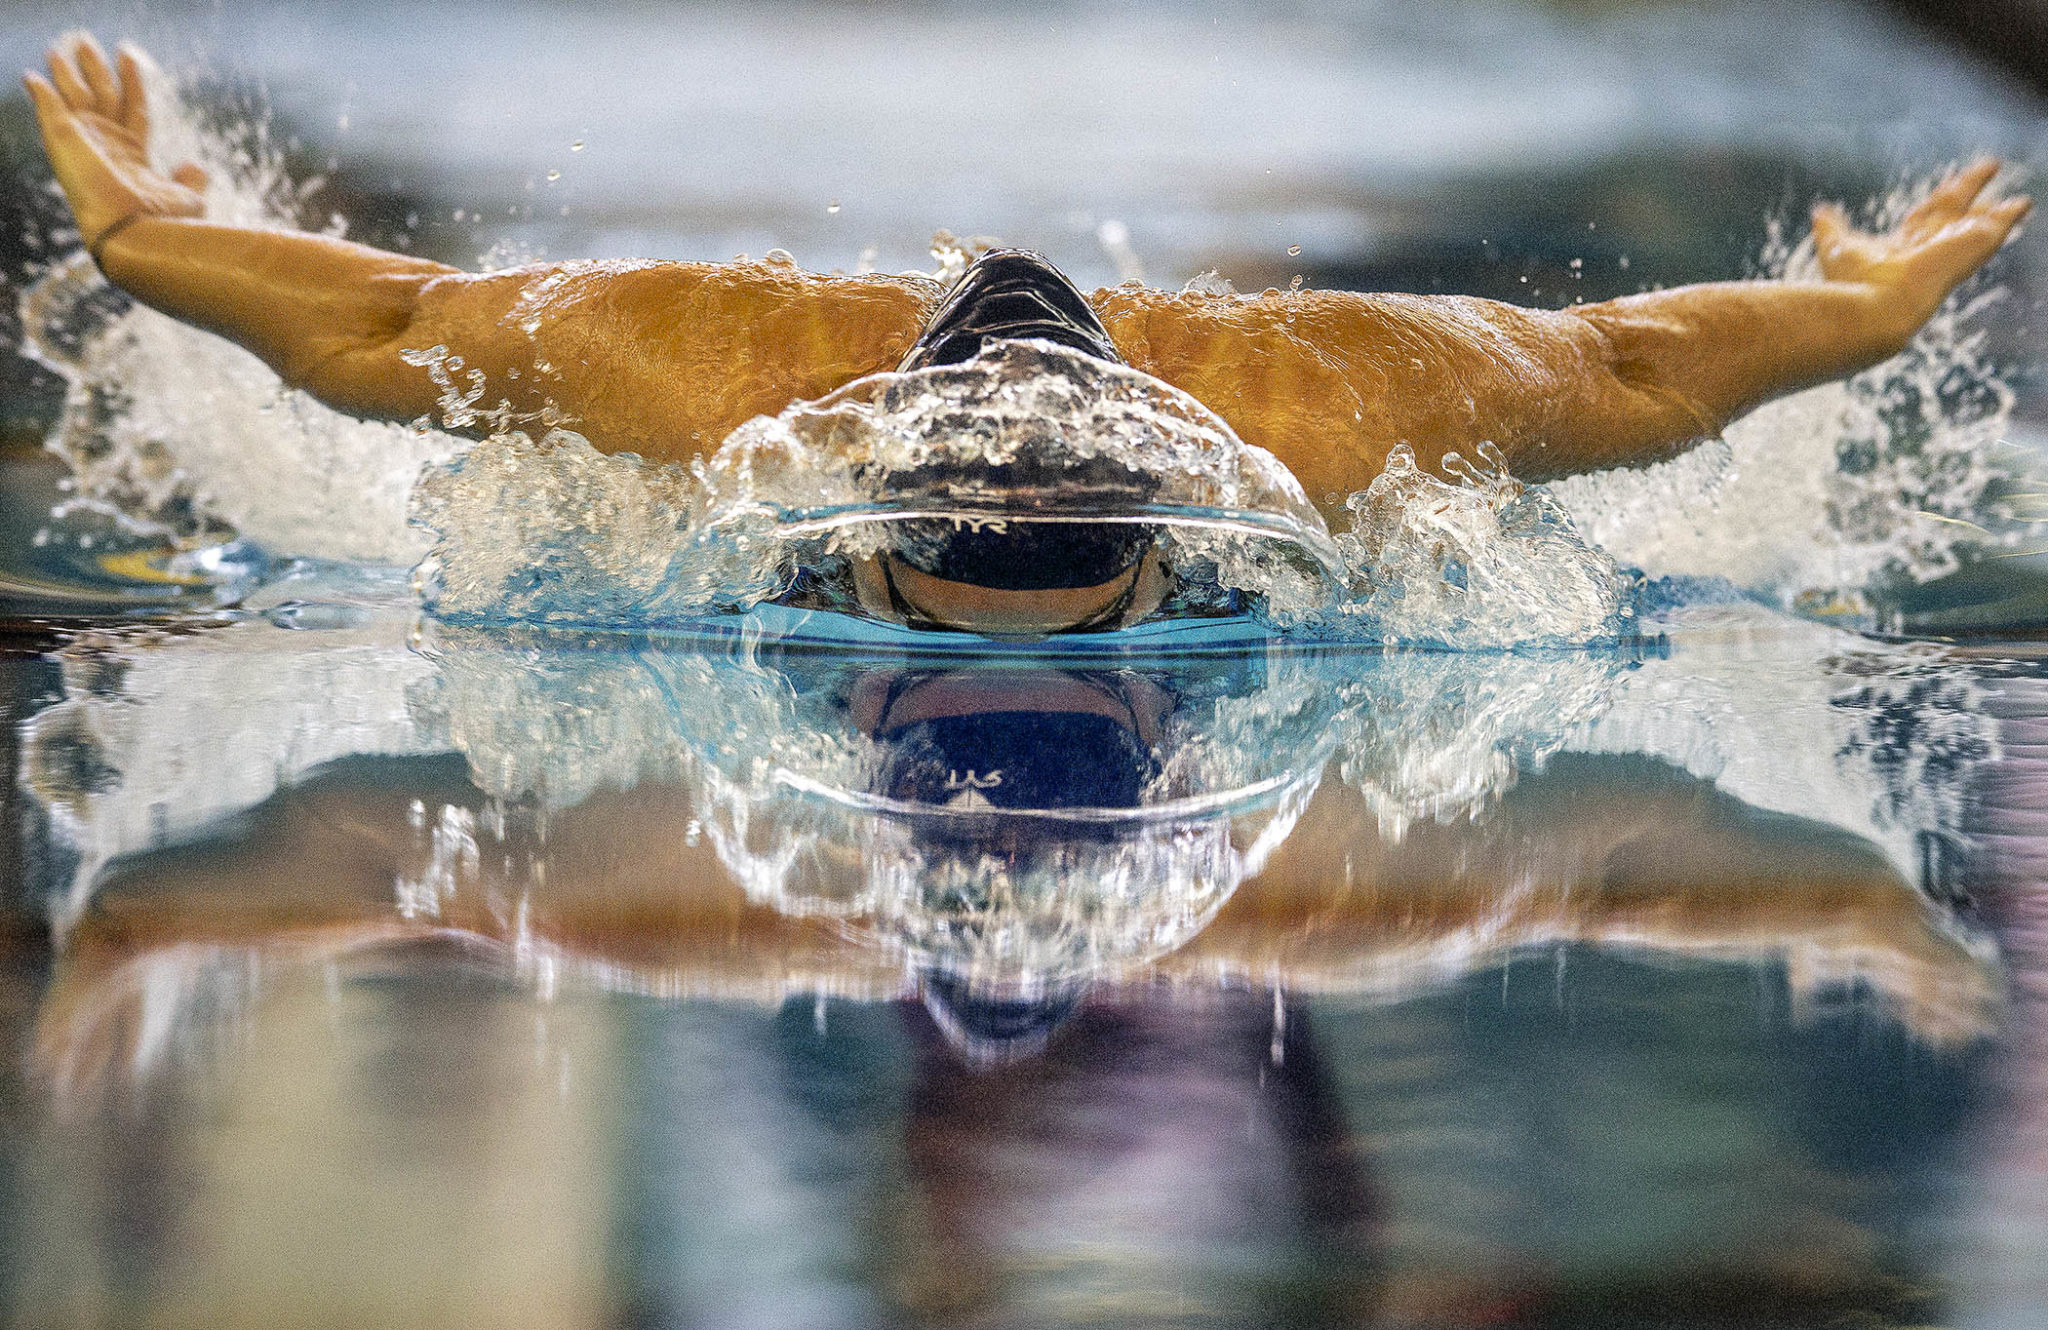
(1011, 294)
(1018, 759)
(1045, 742)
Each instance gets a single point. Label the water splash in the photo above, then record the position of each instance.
(173, 433)
(1483, 561)
(1818, 499)
(553, 531)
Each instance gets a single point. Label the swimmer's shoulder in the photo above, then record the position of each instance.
(1146, 309)
(1173, 333)
(662, 292)
(665, 358)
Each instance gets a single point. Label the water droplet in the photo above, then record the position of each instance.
(577, 146)
(554, 176)
(833, 206)
(1294, 251)
(1578, 264)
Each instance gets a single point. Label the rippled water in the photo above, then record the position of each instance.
(419, 974)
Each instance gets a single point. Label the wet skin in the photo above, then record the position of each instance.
(665, 359)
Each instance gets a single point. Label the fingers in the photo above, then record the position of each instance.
(2001, 217)
(73, 89)
(1964, 246)
(1964, 185)
(49, 103)
(2013, 209)
(134, 107)
(92, 63)
(1831, 229)
(192, 176)
(1953, 196)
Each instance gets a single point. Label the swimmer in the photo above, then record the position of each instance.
(664, 359)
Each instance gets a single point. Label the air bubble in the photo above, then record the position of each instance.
(1294, 251)
(577, 146)
(832, 207)
(554, 176)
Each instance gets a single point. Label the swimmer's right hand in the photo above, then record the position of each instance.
(1911, 268)
(95, 125)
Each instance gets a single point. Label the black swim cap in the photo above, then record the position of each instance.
(1010, 294)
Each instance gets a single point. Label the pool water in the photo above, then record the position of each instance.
(366, 970)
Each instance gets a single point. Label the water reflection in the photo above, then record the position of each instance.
(1001, 835)
(695, 985)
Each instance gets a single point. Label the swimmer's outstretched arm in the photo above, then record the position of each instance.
(1330, 380)
(660, 358)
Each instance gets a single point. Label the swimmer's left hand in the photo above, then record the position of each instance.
(1912, 268)
(95, 124)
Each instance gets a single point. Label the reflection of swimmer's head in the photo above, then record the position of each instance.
(1008, 865)
(1037, 740)
(990, 1027)
(1016, 826)
(1022, 575)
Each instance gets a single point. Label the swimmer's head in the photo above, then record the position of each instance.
(1020, 577)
